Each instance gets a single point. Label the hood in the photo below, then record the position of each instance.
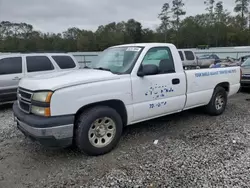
(57, 80)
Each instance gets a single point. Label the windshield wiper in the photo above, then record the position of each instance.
(101, 68)
(86, 67)
(106, 69)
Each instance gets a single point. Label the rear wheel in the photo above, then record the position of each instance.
(98, 130)
(218, 102)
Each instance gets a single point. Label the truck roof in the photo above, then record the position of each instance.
(145, 44)
(185, 49)
(31, 54)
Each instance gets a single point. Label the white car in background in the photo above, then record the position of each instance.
(208, 59)
(188, 58)
(14, 67)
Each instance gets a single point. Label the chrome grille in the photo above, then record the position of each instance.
(24, 106)
(24, 99)
(24, 94)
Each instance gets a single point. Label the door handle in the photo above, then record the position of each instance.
(175, 81)
(16, 78)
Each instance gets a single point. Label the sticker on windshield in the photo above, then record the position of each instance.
(133, 49)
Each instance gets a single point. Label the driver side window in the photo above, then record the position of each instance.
(162, 58)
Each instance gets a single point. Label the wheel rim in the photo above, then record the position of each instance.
(219, 102)
(102, 132)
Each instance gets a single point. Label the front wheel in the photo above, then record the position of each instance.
(98, 130)
(218, 102)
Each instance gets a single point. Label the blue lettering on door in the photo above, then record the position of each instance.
(159, 91)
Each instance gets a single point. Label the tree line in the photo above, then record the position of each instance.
(215, 27)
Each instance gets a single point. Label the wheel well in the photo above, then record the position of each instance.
(224, 85)
(115, 104)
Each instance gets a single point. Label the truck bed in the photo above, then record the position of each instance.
(201, 83)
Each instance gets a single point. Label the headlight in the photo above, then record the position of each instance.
(40, 103)
(42, 111)
(42, 96)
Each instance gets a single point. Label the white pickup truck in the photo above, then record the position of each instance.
(126, 84)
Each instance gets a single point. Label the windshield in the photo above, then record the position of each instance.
(246, 63)
(118, 60)
(245, 58)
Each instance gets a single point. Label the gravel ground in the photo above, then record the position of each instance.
(194, 150)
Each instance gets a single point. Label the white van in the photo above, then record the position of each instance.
(14, 67)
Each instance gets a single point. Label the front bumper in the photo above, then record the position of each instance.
(245, 83)
(48, 131)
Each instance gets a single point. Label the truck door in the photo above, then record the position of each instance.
(11, 72)
(162, 93)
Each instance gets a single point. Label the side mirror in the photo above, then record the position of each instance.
(149, 69)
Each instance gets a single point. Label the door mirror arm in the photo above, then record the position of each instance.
(140, 72)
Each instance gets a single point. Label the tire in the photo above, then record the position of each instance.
(93, 127)
(218, 102)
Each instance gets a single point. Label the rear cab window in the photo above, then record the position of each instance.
(189, 55)
(10, 65)
(38, 64)
(181, 55)
(64, 62)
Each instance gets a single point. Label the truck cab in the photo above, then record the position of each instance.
(125, 85)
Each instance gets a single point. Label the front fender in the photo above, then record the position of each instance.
(69, 100)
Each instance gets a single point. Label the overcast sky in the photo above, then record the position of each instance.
(58, 15)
